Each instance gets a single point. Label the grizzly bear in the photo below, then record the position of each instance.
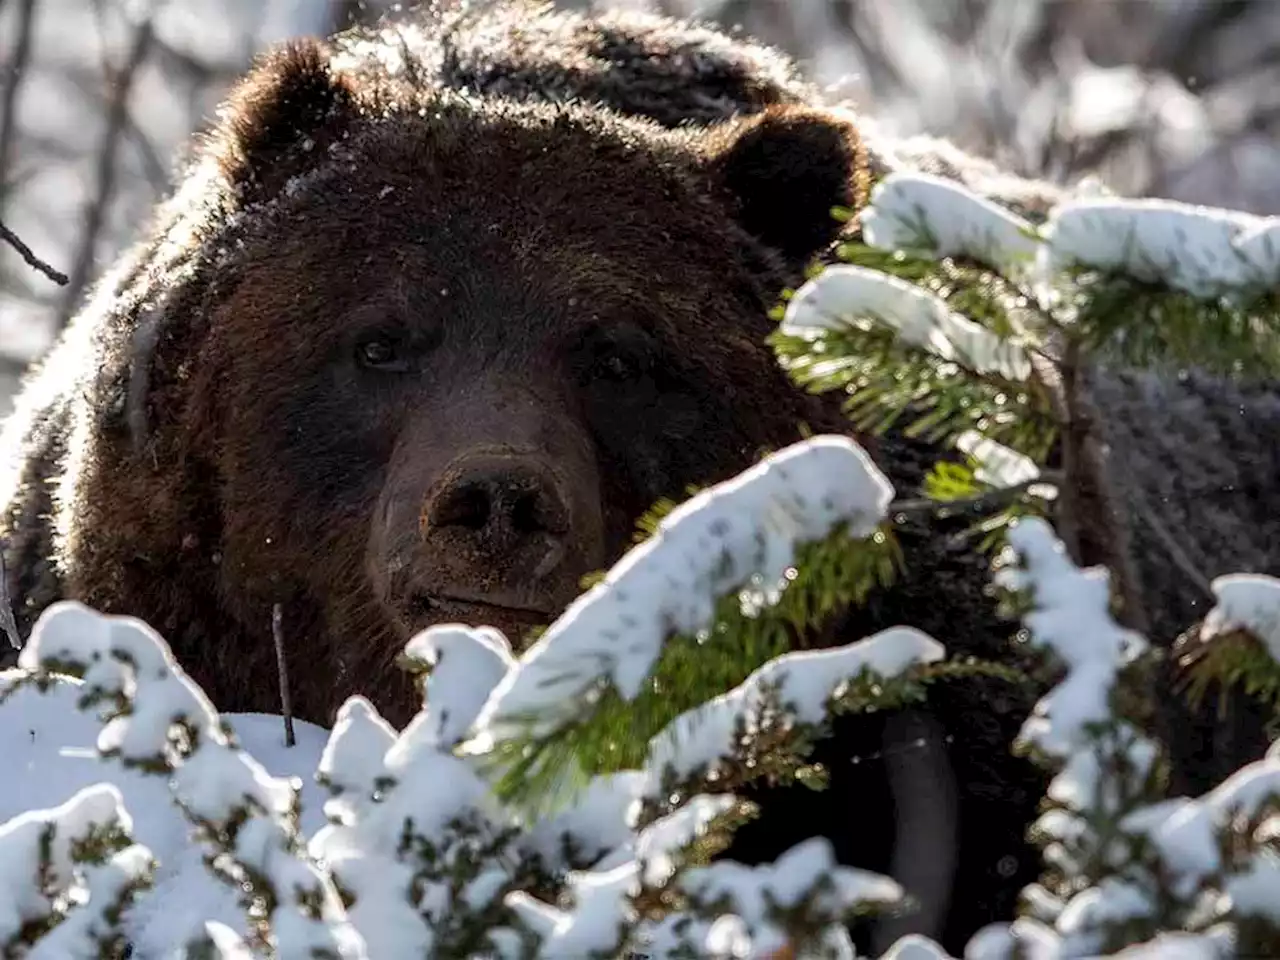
(436, 311)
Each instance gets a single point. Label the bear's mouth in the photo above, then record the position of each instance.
(426, 609)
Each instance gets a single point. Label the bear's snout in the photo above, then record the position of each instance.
(498, 537)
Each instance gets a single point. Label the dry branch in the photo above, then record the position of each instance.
(15, 73)
(8, 624)
(286, 705)
(25, 252)
(106, 171)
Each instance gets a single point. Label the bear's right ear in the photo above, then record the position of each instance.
(280, 117)
(784, 170)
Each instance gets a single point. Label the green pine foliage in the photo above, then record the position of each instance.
(613, 733)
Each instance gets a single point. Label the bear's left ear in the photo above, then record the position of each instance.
(277, 121)
(783, 171)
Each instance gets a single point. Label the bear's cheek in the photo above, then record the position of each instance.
(300, 474)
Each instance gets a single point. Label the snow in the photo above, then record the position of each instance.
(599, 819)
(999, 466)
(915, 947)
(466, 664)
(1255, 891)
(129, 670)
(1024, 939)
(1105, 99)
(1202, 251)
(757, 894)
(91, 928)
(1081, 784)
(404, 808)
(656, 847)
(1215, 944)
(49, 751)
(395, 798)
(739, 534)
(922, 212)
(803, 682)
(1111, 901)
(1072, 618)
(354, 758)
(594, 925)
(1188, 842)
(227, 944)
(26, 901)
(844, 296)
(1250, 601)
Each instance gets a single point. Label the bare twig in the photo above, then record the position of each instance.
(17, 71)
(106, 170)
(25, 252)
(8, 623)
(286, 706)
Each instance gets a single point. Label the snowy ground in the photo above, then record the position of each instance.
(50, 756)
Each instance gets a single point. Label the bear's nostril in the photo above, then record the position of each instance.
(526, 514)
(466, 505)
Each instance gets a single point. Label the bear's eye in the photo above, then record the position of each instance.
(615, 366)
(381, 353)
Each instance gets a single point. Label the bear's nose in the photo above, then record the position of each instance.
(495, 532)
(505, 500)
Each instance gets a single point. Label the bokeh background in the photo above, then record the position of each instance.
(1175, 98)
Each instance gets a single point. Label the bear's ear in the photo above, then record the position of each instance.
(784, 170)
(280, 117)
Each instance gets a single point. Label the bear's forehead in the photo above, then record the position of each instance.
(566, 211)
(528, 279)
(520, 154)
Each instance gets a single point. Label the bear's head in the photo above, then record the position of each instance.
(446, 350)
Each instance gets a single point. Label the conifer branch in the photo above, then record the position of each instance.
(976, 503)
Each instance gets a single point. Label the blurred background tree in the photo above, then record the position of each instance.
(1176, 98)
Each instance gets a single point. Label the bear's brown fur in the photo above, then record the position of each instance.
(435, 313)
(576, 303)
